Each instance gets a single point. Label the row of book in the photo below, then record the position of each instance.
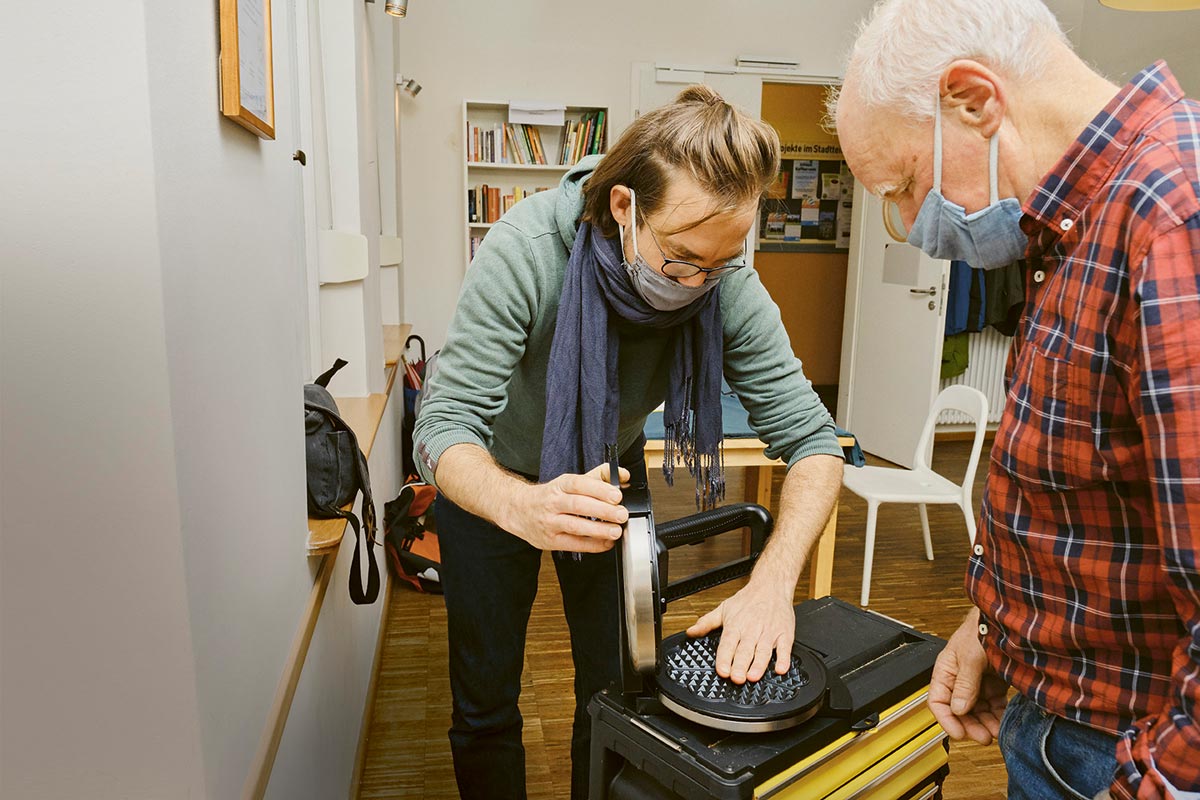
(505, 143)
(485, 204)
(517, 143)
(582, 137)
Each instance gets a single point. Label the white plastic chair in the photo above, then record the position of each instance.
(921, 485)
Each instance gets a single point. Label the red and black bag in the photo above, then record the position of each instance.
(410, 537)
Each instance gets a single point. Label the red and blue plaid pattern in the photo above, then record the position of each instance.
(1086, 574)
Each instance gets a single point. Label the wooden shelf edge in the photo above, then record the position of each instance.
(393, 342)
(325, 535)
(520, 167)
(281, 706)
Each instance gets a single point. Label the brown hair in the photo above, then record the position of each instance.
(733, 156)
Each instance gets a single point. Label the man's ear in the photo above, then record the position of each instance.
(974, 95)
(619, 204)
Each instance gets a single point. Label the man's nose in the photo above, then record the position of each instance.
(693, 280)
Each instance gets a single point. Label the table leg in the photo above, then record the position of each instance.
(758, 490)
(820, 571)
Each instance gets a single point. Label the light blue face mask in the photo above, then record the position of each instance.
(987, 239)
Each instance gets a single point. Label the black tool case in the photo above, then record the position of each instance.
(874, 736)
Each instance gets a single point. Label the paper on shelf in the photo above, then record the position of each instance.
(536, 113)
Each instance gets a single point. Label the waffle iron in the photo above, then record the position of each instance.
(678, 673)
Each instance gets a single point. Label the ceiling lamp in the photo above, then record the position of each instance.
(1152, 5)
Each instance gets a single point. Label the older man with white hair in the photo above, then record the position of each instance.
(996, 143)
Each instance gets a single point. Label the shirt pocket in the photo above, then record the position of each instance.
(1045, 439)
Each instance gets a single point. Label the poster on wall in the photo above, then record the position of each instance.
(247, 75)
(809, 202)
(805, 176)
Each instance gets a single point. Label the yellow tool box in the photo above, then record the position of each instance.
(872, 736)
(904, 755)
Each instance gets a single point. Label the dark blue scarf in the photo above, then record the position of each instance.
(582, 395)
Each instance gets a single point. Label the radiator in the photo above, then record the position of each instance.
(987, 352)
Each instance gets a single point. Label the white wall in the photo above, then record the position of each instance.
(98, 680)
(1070, 16)
(153, 342)
(1121, 43)
(579, 53)
(234, 302)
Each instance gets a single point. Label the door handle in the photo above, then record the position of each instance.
(932, 290)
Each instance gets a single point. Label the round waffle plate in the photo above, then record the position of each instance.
(639, 568)
(689, 685)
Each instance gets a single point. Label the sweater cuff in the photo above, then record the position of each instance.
(823, 443)
(428, 451)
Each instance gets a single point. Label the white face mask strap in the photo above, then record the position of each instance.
(993, 168)
(633, 222)
(937, 144)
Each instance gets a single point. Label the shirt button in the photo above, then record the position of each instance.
(983, 629)
(1039, 276)
(978, 549)
(1067, 224)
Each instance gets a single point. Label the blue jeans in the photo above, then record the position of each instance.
(1051, 757)
(490, 579)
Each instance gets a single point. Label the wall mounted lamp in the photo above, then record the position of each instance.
(394, 8)
(408, 85)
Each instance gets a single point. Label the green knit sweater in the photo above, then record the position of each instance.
(489, 388)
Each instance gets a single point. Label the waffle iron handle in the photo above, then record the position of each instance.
(706, 524)
(697, 528)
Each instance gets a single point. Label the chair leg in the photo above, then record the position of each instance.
(869, 552)
(970, 518)
(925, 531)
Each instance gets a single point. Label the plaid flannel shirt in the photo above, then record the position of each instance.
(1085, 570)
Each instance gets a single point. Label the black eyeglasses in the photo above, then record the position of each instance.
(675, 268)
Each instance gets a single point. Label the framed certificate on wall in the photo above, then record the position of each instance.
(247, 76)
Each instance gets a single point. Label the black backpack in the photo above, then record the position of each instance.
(337, 471)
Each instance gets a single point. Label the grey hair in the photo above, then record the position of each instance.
(903, 46)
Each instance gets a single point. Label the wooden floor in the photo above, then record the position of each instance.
(408, 754)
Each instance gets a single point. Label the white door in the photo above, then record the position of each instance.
(301, 53)
(655, 86)
(892, 339)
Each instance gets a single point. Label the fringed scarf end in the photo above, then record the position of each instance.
(710, 479)
(708, 468)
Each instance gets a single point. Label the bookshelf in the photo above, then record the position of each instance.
(508, 163)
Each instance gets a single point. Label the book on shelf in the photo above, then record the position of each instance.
(486, 204)
(493, 203)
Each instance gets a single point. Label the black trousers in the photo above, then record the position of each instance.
(490, 579)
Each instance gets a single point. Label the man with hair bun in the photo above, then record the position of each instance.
(997, 143)
(585, 308)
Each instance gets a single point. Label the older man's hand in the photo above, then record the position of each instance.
(756, 621)
(965, 695)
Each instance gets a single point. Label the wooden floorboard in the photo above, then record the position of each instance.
(408, 754)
